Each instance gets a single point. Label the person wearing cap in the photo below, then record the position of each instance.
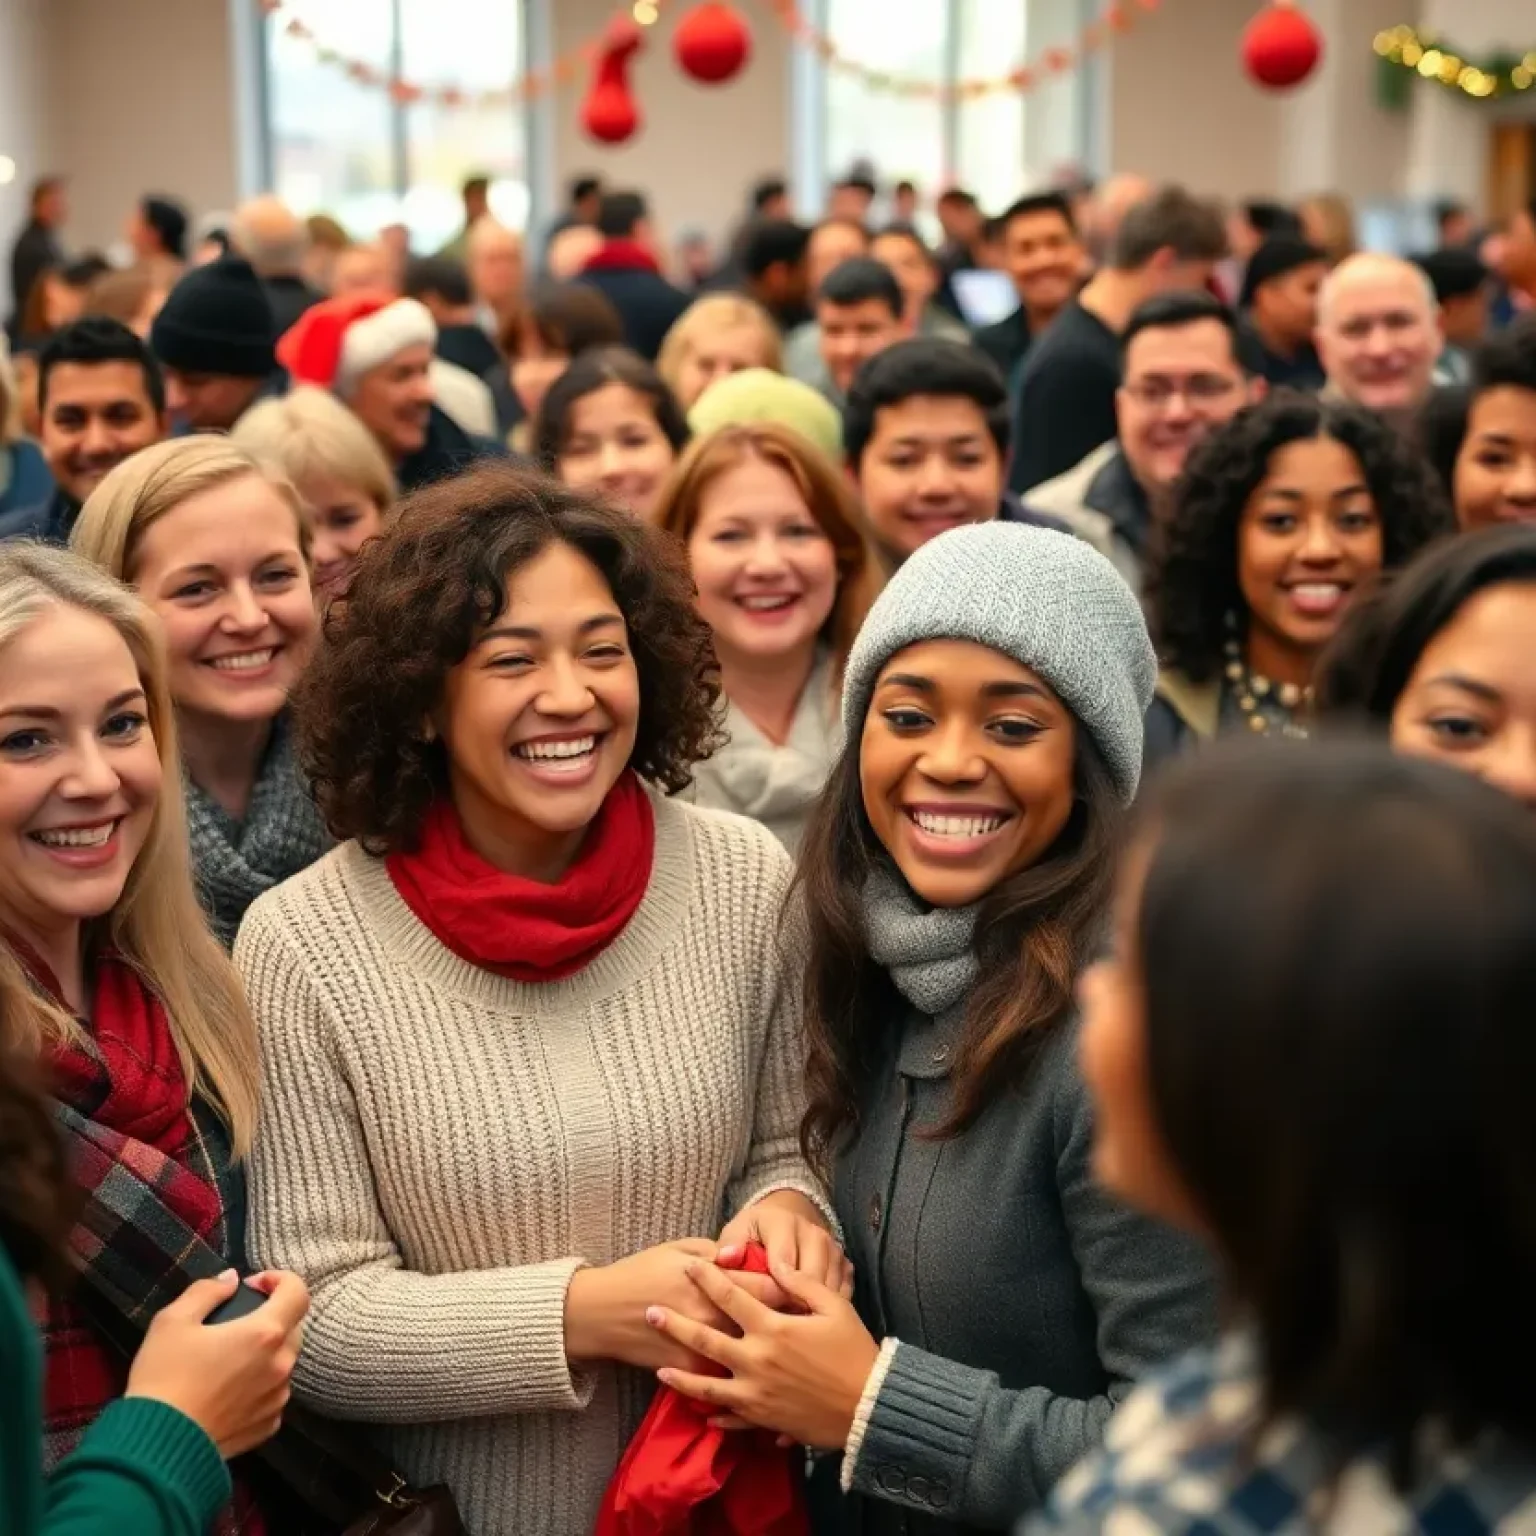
(1279, 304)
(158, 227)
(760, 394)
(216, 339)
(955, 883)
(374, 351)
(1464, 290)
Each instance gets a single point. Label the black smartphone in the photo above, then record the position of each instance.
(247, 1299)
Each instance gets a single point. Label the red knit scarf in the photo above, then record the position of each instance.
(521, 928)
(622, 256)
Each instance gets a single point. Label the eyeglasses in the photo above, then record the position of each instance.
(1197, 390)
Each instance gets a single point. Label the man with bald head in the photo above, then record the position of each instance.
(1111, 202)
(1378, 335)
(267, 232)
(494, 259)
(570, 249)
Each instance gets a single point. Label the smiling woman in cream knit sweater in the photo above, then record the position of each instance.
(511, 1063)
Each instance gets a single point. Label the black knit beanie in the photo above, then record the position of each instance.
(217, 320)
(1277, 256)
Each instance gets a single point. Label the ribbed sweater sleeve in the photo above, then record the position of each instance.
(384, 1344)
(142, 1469)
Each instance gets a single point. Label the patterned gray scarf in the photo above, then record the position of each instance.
(927, 951)
(235, 861)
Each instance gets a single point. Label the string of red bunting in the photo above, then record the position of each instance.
(572, 66)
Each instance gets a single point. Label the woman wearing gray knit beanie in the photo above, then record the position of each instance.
(955, 879)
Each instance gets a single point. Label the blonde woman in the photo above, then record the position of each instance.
(220, 551)
(717, 335)
(26, 486)
(135, 1013)
(336, 465)
(784, 576)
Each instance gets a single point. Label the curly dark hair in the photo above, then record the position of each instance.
(1192, 582)
(419, 597)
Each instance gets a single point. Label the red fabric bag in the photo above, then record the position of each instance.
(680, 1477)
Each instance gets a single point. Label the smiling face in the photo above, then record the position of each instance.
(912, 267)
(766, 572)
(79, 771)
(208, 402)
(1309, 535)
(1495, 478)
(96, 415)
(616, 447)
(967, 768)
(1181, 383)
(539, 720)
(394, 401)
(1471, 700)
(931, 464)
(225, 575)
(1379, 339)
(344, 519)
(1045, 259)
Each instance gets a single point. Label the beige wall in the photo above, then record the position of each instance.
(699, 147)
(142, 101)
(23, 119)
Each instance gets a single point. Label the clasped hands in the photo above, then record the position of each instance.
(796, 1353)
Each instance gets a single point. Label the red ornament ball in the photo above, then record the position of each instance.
(609, 114)
(712, 43)
(1281, 46)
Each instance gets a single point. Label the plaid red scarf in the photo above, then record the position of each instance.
(154, 1218)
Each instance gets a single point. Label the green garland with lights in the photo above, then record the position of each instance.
(1407, 54)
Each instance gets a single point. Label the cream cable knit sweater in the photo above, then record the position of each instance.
(441, 1149)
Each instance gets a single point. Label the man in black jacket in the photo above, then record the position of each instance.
(625, 271)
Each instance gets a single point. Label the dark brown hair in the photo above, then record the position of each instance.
(1333, 945)
(38, 1200)
(421, 594)
(594, 370)
(567, 319)
(1035, 933)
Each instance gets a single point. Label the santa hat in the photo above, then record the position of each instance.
(334, 343)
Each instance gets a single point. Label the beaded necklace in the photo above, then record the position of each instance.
(1267, 706)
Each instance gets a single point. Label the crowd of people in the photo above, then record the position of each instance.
(585, 829)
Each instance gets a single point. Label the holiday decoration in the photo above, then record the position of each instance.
(1281, 46)
(1118, 17)
(610, 113)
(712, 42)
(1407, 54)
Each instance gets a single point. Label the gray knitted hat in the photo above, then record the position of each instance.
(1048, 600)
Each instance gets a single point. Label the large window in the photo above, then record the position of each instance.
(339, 147)
(997, 145)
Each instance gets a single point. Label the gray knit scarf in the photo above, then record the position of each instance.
(927, 952)
(235, 861)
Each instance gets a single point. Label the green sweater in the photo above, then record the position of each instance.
(142, 1469)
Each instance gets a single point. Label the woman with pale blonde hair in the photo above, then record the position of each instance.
(219, 549)
(336, 465)
(784, 576)
(135, 1014)
(720, 334)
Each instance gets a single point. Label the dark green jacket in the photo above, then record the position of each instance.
(142, 1469)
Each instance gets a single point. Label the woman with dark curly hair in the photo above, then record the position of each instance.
(609, 425)
(1281, 518)
(1439, 659)
(530, 1040)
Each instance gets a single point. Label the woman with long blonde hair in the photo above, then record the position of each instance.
(132, 1009)
(220, 550)
(784, 576)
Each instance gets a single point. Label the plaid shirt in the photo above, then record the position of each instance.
(1179, 1456)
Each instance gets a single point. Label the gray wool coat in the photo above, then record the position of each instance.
(1026, 1300)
